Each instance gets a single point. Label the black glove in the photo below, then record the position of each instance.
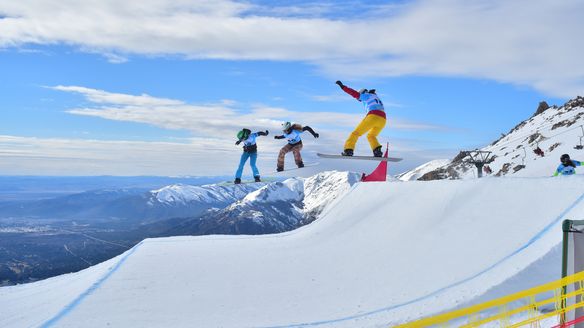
(267, 132)
(316, 135)
(237, 142)
(339, 83)
(278, 137)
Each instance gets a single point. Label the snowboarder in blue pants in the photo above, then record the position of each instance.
(250, 150)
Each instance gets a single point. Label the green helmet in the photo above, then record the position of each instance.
(243, 134)
(286, 126)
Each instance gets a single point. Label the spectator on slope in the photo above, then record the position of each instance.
(292, 132)
(250, 150)
(568, 166)
(373, 122)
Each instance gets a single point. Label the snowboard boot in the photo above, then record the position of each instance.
(377, 152)
(347, 152)
(237, 181)
(257, 179)
(300, 165)
(279, 169)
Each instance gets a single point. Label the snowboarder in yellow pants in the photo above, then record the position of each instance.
(373, 123)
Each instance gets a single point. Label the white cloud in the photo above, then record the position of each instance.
(519, 41)
(213, 120)
(103, 97)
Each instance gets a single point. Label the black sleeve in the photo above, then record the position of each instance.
(279, 137)
(309, 129)
(261, 133)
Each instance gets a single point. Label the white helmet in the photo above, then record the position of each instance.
(286, 126)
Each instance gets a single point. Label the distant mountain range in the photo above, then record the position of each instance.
(19, 188)
(276, 207)
(133, 205)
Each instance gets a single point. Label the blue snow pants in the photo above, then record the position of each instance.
(252, 162)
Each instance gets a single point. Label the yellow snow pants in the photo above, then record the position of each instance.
(372, 124)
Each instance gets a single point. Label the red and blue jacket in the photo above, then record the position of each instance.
(370, 101)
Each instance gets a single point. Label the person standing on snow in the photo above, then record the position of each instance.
(292, 132)
(373, 122)
(568, 166)
(250, 150)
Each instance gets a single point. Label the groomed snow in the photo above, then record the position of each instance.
(384, 254)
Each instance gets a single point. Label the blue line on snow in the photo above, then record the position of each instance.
(71, 306)
(434, 293)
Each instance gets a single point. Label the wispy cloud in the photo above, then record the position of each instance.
(507, 41)
(212, 120)
(331, 98)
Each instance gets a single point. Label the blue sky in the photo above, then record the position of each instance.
(161, 87)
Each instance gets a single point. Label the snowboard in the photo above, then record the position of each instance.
(297, 168)
(228, 183)
(370, 158)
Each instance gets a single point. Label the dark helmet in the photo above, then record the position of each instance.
(243, 134)
(372, 91)
(565, 158)
(363, 90)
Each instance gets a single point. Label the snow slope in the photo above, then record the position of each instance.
(419, 171)
(382, 254)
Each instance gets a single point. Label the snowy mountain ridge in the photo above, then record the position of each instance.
(289, 190)
(275, 207)
(212, 193)
(554, 130)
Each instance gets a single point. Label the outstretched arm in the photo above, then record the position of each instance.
(309, 129)
(262, 133)
(279, 137)
(353, 93)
